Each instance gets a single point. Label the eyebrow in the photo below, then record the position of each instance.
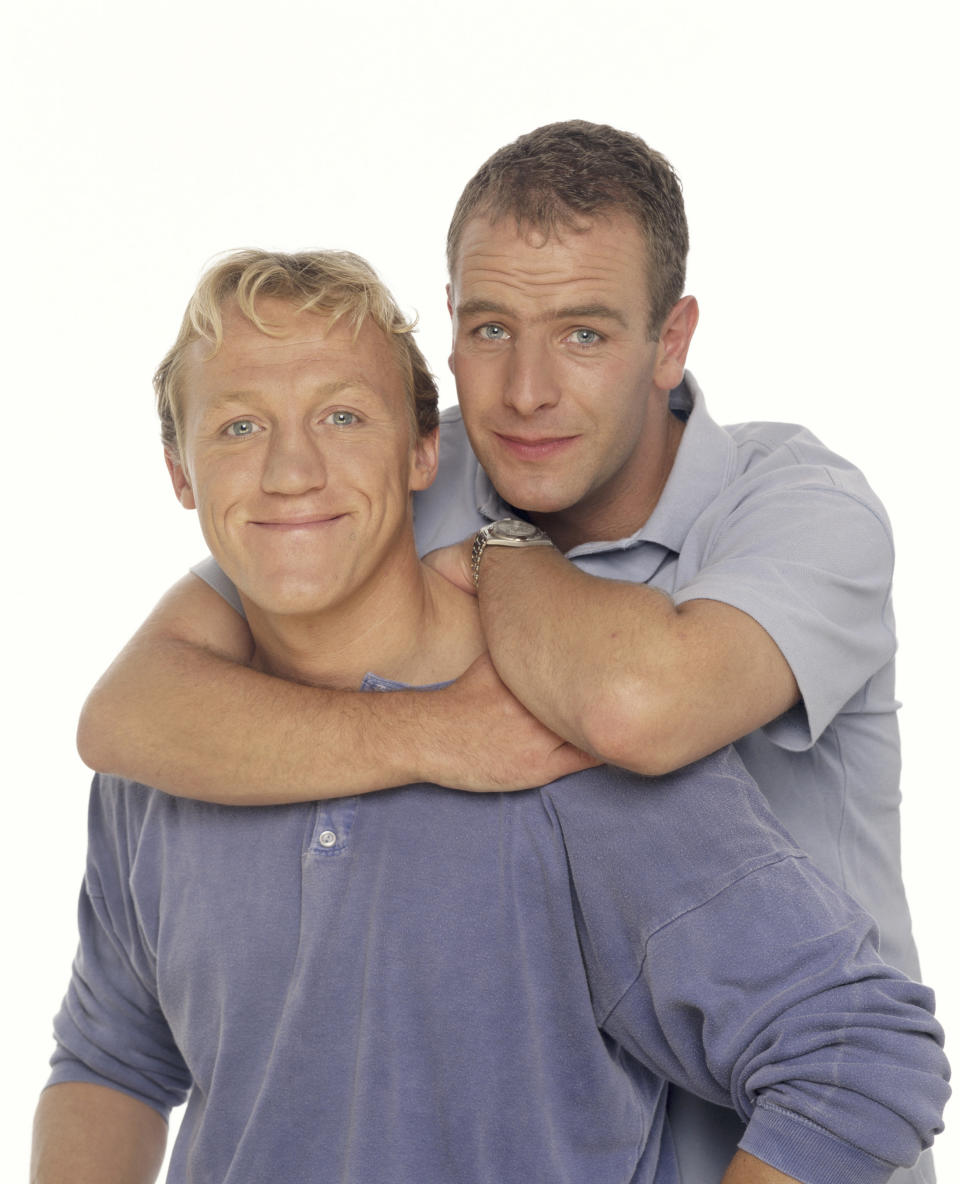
(328, 390)
(471, 308)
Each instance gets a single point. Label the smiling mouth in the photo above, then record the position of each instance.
(303, 523)
(534, 448)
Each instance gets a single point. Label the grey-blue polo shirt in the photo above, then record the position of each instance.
(763, 517)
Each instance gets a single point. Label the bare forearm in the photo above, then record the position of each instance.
(205, 727)
(181, 711)
(88, 1134)
(746, 1169)
(619, 670)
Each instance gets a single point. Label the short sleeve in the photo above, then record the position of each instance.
(110, 1029)
(813, 565)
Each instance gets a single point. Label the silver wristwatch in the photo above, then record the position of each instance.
(508, 532)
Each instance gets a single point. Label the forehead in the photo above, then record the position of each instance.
(608, 257)
(301, 348)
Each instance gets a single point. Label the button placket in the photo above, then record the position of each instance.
(334, 822)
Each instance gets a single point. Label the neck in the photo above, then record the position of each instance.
(412, 626)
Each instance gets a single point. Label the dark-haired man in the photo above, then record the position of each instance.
(423, 986)
(707, 585)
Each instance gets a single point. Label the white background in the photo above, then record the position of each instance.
(816, 144)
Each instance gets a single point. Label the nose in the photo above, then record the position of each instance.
(530, 382)
(294, 462)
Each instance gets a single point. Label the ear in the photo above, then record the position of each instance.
(181, 482)
(450, 311)
(424, 467)
(675, 337)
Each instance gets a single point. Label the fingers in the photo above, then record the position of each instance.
(499, 745)
(453, 563)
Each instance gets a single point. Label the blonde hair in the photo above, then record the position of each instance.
(335, 283)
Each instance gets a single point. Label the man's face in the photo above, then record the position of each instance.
(299, 457)
(555, 367)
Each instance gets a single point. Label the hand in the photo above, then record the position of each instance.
(493, 742)
(454, 564)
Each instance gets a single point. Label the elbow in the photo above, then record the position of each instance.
(94, 733)
(629, 726)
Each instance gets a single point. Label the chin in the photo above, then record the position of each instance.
(531, 497)
(289, 598)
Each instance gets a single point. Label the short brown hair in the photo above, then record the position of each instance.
(337, 283)
(555, 177)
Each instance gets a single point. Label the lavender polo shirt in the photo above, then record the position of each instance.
(764, 517)
(422, 986)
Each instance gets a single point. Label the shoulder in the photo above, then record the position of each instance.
(455, 450)
(451, 423)
(448, 510)
(763, 487)
(118, 813)
(649, 856)
(118, 804)
(131, 824)
(672, 841)
(786, 498)
(777, 457)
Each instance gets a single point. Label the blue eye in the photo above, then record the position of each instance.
(240, 428)
(492, 333)
(585, 337)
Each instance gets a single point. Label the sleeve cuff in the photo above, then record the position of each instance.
(800, 727)
(71, 1072)
(800, 1148)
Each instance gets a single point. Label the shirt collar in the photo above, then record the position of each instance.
(490, 504)
(702, 468)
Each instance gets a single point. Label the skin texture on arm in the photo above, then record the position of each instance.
(564, 391)
(747, 1169)
(178, 710)
(89, 1134)
(616, 668)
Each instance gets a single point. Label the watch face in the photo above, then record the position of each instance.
(514, 528)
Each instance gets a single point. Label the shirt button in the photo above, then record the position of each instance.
(327, 838)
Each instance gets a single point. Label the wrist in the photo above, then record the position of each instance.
(433, 749)
(512, 533)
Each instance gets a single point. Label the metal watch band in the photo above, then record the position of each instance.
(508, 532)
